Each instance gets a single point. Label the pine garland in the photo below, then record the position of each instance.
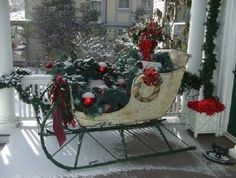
(209, 62)
(14, 80)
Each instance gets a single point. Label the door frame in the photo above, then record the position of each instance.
(227, 62)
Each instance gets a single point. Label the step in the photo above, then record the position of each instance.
(4, 138)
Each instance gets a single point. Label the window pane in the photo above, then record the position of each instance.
(123, 3)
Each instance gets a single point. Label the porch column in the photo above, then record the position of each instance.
(195, 42)
(196, 35)
(7, 105)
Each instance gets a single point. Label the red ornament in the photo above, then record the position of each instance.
(102, 67)
(49, 65)
(88, 99)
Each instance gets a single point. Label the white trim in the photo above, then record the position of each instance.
(230, 137)
(228, 61)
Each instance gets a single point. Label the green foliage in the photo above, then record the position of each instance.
(164, 59)
(55, 25)
(140, 15)
(167, 21)
(89, 13)
(190, 81)
(209, 62)
(58, 29)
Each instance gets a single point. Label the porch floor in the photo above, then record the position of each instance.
(23, 157)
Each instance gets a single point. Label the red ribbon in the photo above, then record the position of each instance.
(146, 47)
(151, 76)
(62, 115)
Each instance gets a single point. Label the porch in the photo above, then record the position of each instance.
(23, 156)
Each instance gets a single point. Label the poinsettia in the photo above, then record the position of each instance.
(146, 37)
(208, 106)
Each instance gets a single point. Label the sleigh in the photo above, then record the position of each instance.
(145, 109)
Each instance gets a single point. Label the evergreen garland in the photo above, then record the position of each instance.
(209, 62)
(14, 80)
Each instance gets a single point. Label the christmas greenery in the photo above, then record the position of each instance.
(209, 62)
(112, 87)
(14, 80)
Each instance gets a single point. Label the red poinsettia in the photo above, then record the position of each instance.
(146, 37)
(208, 106)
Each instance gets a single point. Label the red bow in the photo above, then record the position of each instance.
(151, 77)
(62, 115)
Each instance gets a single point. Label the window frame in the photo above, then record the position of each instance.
(122, 2)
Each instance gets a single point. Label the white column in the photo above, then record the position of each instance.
(196, 34)
(195, 42)
(7, 109)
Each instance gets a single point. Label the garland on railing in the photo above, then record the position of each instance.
(14, 80)
(209, 62)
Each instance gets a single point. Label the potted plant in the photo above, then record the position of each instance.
(204, 116)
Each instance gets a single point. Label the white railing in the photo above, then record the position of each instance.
(38, 83)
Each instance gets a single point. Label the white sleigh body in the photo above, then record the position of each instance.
(136, 111)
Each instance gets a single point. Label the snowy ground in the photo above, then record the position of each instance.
(23, 157)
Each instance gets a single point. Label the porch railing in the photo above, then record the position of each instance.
(38, 82)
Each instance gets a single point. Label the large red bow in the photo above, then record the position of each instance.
(62, 115)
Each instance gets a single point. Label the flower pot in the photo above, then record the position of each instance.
(200, 123)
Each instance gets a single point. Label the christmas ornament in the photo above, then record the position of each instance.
(49, 65)
(102, 67)
(88, 99)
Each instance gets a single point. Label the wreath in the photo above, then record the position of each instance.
(150, 77)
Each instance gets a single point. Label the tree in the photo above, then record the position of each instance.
(55, 26)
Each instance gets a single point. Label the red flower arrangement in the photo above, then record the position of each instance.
(146, 37)
(208, 106)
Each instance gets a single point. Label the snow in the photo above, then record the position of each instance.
(19, 15)
(23, 157)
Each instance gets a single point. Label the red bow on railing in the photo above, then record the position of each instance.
(62, 115)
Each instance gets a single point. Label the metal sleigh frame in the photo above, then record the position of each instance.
(81, 131)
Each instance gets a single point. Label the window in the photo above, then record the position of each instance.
(124, 4)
